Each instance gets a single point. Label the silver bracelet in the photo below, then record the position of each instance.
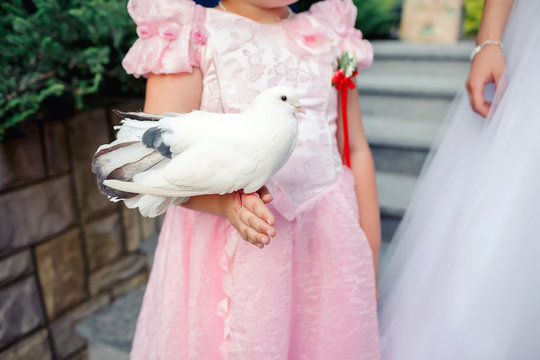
(483, 45)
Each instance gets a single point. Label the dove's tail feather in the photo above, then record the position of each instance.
(124, 158)
(139, 115)
(133, 156)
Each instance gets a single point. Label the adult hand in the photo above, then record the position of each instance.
(487, 67)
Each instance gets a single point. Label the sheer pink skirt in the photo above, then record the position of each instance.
(310, 294)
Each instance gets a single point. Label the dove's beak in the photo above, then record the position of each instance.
(300, 109)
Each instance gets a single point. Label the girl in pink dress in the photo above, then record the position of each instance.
(307, 290)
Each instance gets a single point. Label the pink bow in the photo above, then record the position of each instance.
(167, 30)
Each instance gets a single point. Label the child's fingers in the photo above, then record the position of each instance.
(251, 220)
(249, 235)
(263, 220)
(257, 238)
(265, 195)
(252, 236)
(244, 221)
(258, 225)
(256, 206)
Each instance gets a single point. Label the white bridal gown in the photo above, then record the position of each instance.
(462, 278)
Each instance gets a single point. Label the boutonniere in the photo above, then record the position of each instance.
(347, 70)
(343, 81)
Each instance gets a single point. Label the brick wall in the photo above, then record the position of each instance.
(65, 250)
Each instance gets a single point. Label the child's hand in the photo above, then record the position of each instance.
(253, 219)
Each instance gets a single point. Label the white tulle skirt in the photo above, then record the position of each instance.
(462, 278)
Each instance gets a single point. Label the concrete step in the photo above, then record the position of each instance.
(413, 79)
(403, 107)
(109, 333)
(402, 161)
(400, 145)
(395, 49)
(400, 132)
(416, 70)
(395, 192)
(404, 69)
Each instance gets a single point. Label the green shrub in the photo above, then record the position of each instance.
(375, 18)
(71, 49)
(473, 15)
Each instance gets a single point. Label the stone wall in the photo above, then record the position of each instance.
(65, 250)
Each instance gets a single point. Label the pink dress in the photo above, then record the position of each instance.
(310, 294)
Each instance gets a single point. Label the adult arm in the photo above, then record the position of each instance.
(488, 65)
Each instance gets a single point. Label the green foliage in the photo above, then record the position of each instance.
(473, 15)
(375, 18)
(67, 49)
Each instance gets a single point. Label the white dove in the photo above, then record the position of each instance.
(155, 164)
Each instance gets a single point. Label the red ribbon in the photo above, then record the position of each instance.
(344, 83)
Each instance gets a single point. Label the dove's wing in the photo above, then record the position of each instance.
(219, 168)
(216, 169)
(177, 134)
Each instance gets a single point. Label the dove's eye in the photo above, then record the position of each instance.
(283, 98)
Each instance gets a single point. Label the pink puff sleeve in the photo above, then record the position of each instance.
(339, 17)
(171, 34)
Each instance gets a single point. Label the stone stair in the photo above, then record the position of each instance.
(404, 96)
(109, 332)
